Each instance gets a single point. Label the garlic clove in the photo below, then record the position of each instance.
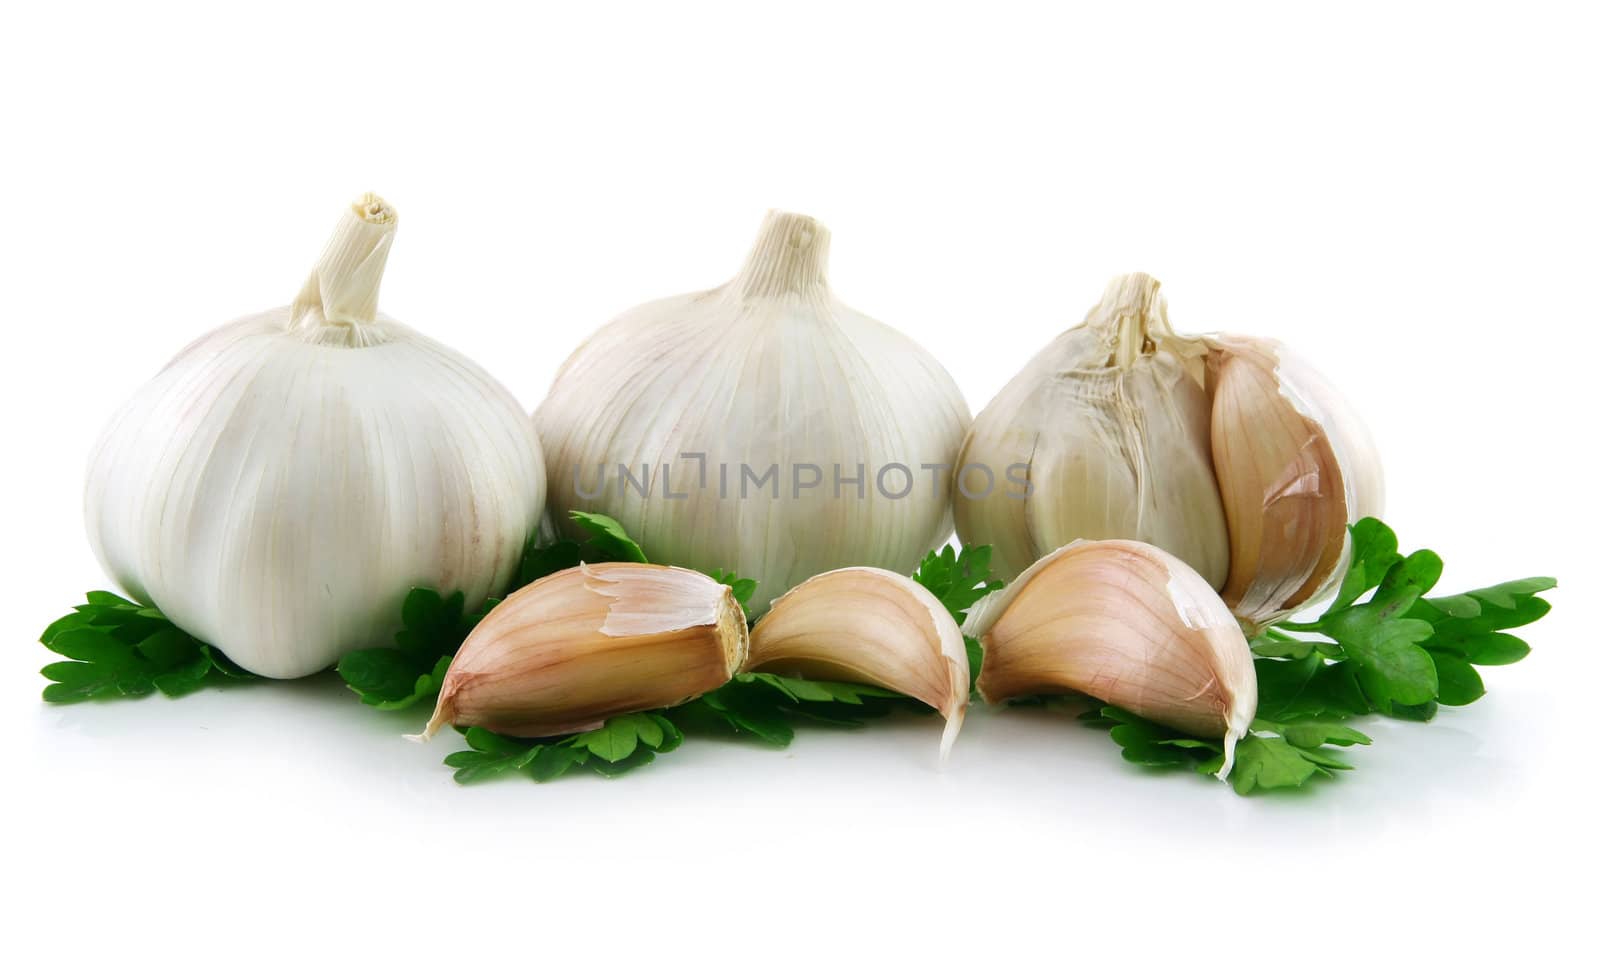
(1109, 425)
(1352, 442)
(1282, 486)
(872, 627)
(570, 650)
(1128, 624)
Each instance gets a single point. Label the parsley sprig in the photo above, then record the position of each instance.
(1397, 652)
(120, 648)
(757, 705)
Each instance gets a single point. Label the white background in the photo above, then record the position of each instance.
(1406, 195)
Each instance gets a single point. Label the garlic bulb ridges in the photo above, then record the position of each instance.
(1109, 424)
(281, 484)
(568, 651)
(762, 425)
(1126, 623)
(872, 627)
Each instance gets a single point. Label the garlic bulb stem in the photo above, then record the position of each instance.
(343, 287)
(1131, 304)
(790, 256)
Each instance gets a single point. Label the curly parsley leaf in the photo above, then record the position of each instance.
(120, 648)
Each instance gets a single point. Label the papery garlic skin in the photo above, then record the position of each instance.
(1124, 622)
(568, 651)
(283, 482)
(1110, 421)
(1296, 467)
(872, 627)
(768, 370)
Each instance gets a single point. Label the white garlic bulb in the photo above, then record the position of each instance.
(1110, 422)
(1225, 451)
(762, 426)
(283, 482)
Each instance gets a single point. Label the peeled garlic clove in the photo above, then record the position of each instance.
(570, 650)
(763, 424)
(872, 627)
(1107, 426)
(1126, 623)
(283, 481)
(1283, 484)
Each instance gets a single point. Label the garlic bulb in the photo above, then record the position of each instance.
(1225, 451)
(762, 426)
(568, 651)
(1109, 424)
(279, 486)
(872, 627)
(1126, 623)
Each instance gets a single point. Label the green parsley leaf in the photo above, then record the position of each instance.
(958, 581)
(122, 648)
(491, 755)
(607, 537)
(619, 736)
(1392, 665)
(1410, 652)
(1267, 762)
(620, 745)
(743, 589)
(1373, 550)
(541, 561)
(1273, 755)
(413, 671)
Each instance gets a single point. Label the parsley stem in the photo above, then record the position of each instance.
(1297, 626)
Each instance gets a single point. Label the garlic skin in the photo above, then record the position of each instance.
(568, 651)
(1110, 420)
(871, 627)
(1127, 623)
(281, 484)
(770, 370)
